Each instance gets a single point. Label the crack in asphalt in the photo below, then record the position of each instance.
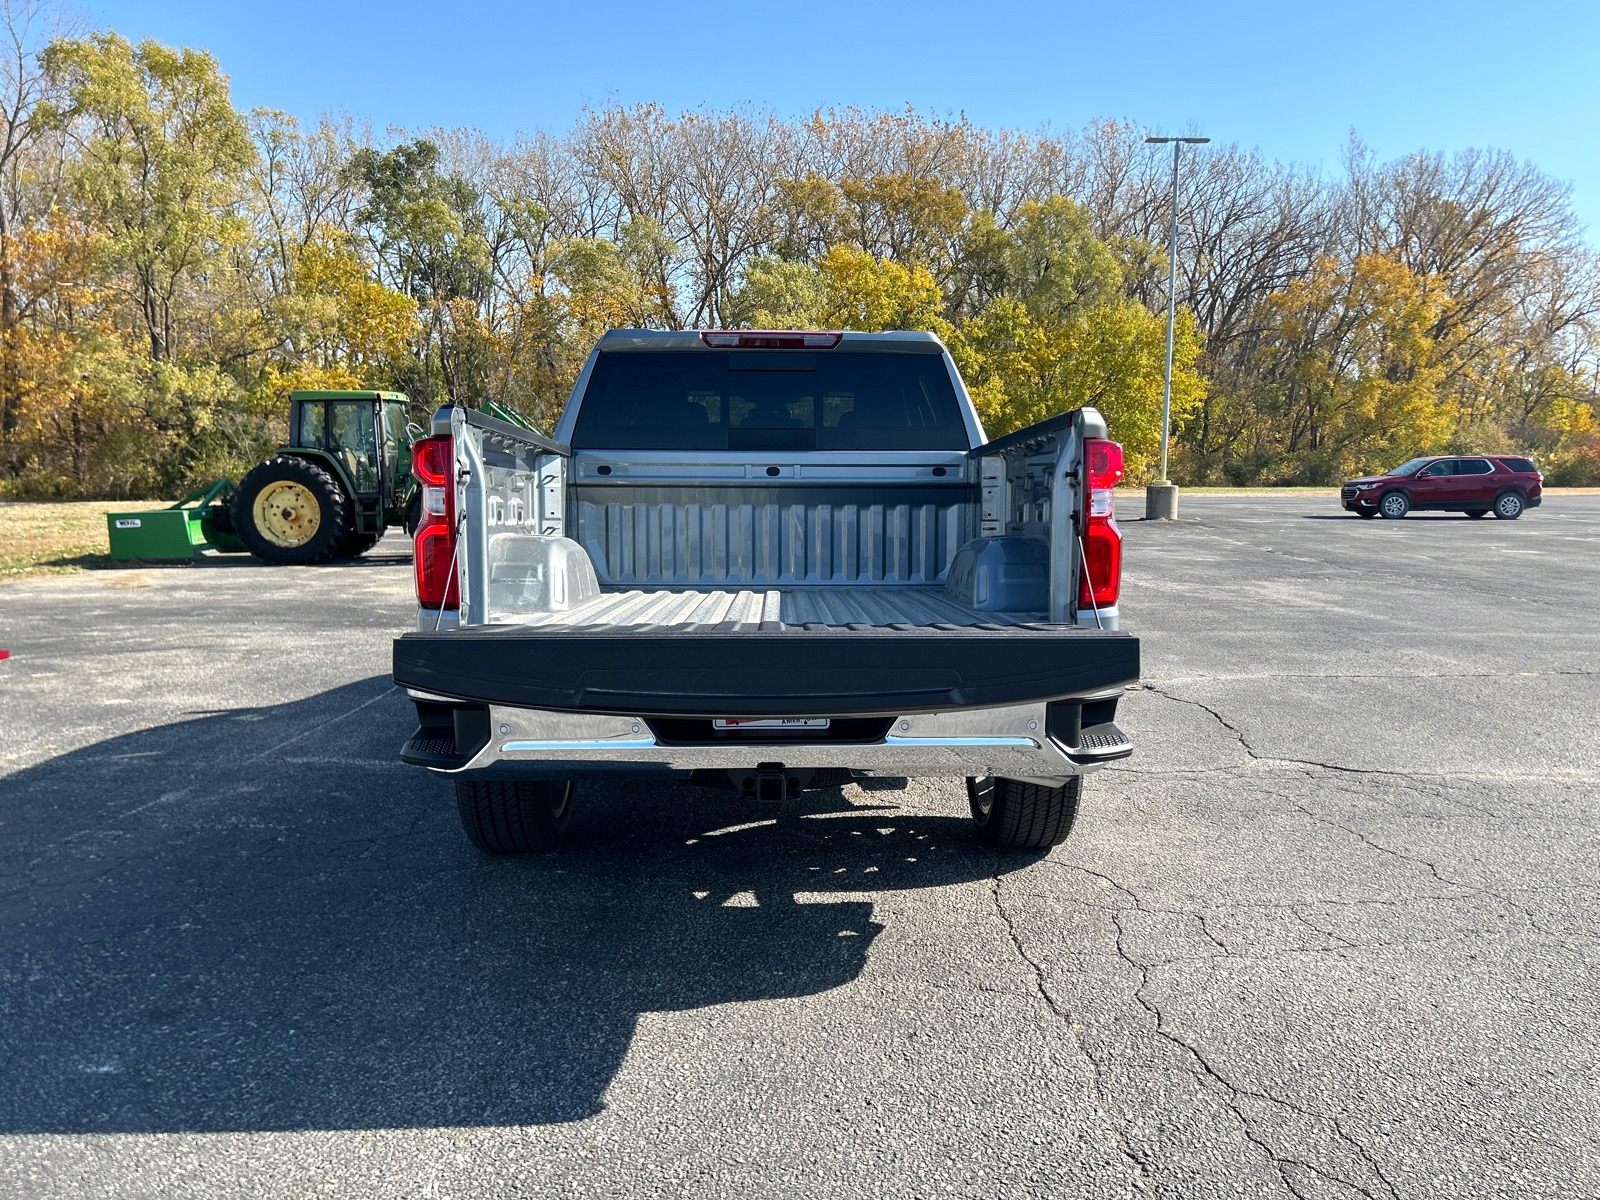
(1468, 890)
(1272, 758)
(1102, 1106)
(1234, 1091)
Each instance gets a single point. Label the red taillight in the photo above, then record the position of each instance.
(1100, 582)
(769, 339)
(435, 550)
(430, 460)
(1105, 462)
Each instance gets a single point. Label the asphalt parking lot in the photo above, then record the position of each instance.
(1332, 932)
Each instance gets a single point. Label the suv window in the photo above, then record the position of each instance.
(1474, 466)
(769, 400)
(1438, 469)
(1523, 465)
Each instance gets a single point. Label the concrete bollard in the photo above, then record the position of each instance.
(1161, 502)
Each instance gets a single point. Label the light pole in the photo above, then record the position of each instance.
(1161, 497)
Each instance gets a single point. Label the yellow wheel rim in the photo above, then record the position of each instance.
(287, 514)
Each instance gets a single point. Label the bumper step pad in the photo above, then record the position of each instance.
(1101, 743)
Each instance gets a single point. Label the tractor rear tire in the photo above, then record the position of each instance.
(290, 512)
(358, 544)
(515, 816)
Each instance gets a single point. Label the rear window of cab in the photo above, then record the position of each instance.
(769, 400)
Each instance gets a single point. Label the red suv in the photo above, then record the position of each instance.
(1475, 484)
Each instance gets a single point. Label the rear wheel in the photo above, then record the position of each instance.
(1394, 505)
(290, 512)
(515, 817)
(1475, 513)
(1508, 506)
(1021, 816)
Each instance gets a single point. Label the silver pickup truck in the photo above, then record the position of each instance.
(768, 562)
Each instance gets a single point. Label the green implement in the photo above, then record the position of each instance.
(200, 521)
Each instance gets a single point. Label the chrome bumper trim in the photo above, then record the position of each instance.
(599, 747)
(549, 744)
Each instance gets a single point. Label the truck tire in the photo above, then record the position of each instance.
(290, 512)
(357, 544)
(1023, 816)
(515, 817)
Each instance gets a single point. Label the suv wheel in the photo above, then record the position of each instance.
(1394, 505)
(515, 817)
(1023, 816)
(1508, 506)
(1475, 513)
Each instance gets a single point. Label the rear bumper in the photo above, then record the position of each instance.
(1034, 741)
(1024, 702)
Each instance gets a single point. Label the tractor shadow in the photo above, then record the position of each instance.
(261, 922)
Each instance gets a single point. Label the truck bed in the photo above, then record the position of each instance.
(747, 609)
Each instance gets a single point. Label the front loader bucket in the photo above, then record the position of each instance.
(187, 528)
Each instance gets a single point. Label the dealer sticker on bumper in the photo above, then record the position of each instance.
(770, 723)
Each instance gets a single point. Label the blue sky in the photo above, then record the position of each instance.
(1291, 79)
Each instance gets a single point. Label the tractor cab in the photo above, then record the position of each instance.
(343, 477)
(362, 434)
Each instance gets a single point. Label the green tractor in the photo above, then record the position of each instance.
(342, 479)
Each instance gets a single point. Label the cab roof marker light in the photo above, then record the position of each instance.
(770, 339)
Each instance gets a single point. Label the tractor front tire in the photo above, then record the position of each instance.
(290, 512)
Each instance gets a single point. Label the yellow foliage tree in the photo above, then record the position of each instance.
(871, 294)
(342, 328)
(1022, 368)
(1351, 368)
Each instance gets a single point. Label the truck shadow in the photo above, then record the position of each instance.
(207, 929)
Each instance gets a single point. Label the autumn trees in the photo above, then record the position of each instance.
(171, 267)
